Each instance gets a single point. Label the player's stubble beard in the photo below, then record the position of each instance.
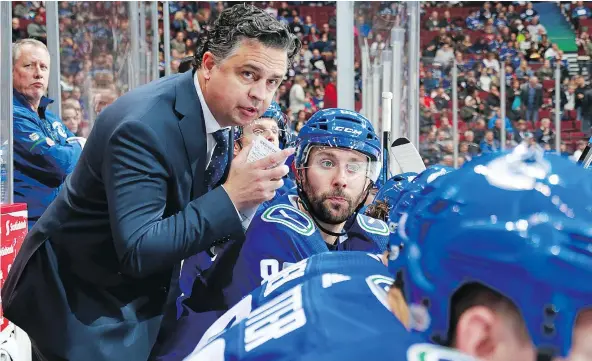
(326, 213)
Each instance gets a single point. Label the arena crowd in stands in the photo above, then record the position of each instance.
(481, 36)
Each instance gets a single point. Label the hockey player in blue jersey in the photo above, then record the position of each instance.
(494, 260)
(337, 160)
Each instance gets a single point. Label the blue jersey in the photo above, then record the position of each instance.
(319, 318)
(279, 237)
(194, 266)
(181, 341)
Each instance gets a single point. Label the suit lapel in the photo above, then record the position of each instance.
(192, 128)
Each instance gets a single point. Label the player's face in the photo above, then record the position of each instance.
(335, 182)
(266, 127)
(240, 88)
(31, 72)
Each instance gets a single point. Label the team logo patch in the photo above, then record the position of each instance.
(49, 142)
(34, 137)
(372, 225)
(57, 126)
(379, 286)
(290, 217)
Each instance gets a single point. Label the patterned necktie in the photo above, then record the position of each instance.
(219, 160)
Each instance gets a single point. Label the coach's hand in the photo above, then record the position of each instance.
(250, 184)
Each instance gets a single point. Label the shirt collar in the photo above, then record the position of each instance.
(43, 103)
(211, 123)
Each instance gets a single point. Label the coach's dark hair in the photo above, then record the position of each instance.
(241, 22)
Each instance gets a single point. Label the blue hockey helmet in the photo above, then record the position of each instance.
(389, 193)
(412, 191)
(339, 128)
(518, 223)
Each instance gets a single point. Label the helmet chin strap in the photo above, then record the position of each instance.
(308, 207)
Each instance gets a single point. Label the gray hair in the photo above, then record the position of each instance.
(17, 47)
(245, 22)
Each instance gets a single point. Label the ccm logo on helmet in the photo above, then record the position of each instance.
(347, 130)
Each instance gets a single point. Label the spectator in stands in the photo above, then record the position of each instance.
(580, 146)
(485, 13)
(297, 94)
(330, 97)
(441, 99)
(486, 79)
(536, 29)
(468, 112)
(528, 13)
(473, 147)
(296, 26)
(37, 29)
(524, 71)
(377, 45)
(433, 22)
(463, 151)
(103, 98)
(178, 23)
(569, 104)
(17, 32)
(552, 52)
(45, 152)
(544, 134)
(479, 129)
(545, 72)
(563, 151)
(493, 101)
(429, 149)
(447, 160)
(584, 53)
(445, 57)
(492, 62)
(308, 24)
(586, 110)
(473, 22)
(497, 114)
(521, 132)
(70, 118)
(531, 99)
(178, 43)
(489, 144)
(580, 12)
(511, 14)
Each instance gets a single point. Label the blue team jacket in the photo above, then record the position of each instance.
(42, 156)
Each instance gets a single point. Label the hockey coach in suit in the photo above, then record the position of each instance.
(154, 185)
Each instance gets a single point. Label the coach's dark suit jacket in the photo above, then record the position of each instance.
(97, 271)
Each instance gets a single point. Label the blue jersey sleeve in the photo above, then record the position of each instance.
(47, 159)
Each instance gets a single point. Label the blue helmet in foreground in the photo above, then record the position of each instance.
(413, 190)
(519, 224)
(339, 128)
